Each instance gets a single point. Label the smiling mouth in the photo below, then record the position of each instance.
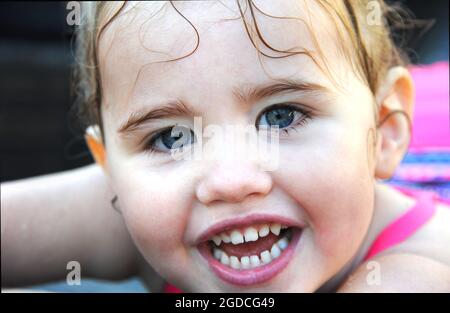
(251, 248)
(250, 255)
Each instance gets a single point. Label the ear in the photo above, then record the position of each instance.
(395, 99)
(95, 143)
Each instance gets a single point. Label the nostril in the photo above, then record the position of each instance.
(231, 196)
(235, 188)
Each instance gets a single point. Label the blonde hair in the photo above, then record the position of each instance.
(372, 51)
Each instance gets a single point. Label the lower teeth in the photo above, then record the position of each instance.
(253, 261)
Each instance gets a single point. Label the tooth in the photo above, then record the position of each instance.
(251, 234)
(234, 262)
(236, 237)
(283, 243)
(217, 253)
(225, 238)
(265, 257)
(245, 262)
(217, 240)
(264, 230)
(275, 251)
(275, 228)
(254, 261)
(283, 227)
(224, 259)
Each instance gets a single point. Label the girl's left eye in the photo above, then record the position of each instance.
(283, 116)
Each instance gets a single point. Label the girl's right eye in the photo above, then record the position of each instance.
(177, 137)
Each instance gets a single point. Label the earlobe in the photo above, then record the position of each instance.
(95, 144)
(395, 99)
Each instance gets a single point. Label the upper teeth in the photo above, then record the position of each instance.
(275, 228)
(252, 261)
(252, 233)
(236, 237)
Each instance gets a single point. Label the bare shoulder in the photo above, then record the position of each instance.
(432, 239)
(399, 272)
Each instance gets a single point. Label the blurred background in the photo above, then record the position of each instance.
(38, 134)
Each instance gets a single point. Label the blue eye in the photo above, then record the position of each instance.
(282, 116)
(177, 137)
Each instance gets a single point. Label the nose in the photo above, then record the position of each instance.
(233, 182)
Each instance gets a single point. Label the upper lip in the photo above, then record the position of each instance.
(244, 221)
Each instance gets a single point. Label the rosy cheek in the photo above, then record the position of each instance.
(332, 184)
(154, 217)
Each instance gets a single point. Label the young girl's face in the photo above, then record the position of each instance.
(321, 188)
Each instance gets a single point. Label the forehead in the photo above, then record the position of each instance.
(133, 48)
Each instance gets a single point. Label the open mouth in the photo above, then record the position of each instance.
(252, 254)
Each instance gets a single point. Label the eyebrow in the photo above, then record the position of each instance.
(170, 109)
(254, 94)
(249, 94)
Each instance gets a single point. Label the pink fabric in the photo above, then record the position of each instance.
(431, 127)
(407, 224)
(168, 288)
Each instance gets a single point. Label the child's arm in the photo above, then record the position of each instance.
(399, 273)
(50, 220)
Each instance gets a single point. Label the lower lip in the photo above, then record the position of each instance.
(251, 276)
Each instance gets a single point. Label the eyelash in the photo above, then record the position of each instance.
(148, 143)
(307, 116)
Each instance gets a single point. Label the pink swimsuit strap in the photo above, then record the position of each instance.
(407, 224)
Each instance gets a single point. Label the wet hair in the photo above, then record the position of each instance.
(371, 48)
